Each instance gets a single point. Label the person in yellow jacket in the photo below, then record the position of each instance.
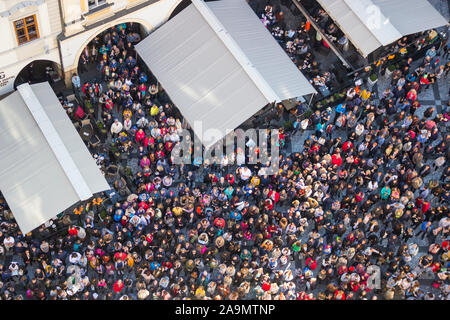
(200, 292)
(255, 180)
(78, 211)
(365, 94)
(154, 110)
(130, 261)
(177, 211)
(127, 114)
(97, 201)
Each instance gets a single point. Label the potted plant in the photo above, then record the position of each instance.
(128, 172)
(102, 131)
(342, 96)
(102, 215)
(88, 106)
(308, 114)
(288, 125)
(390, 69)
(373, 78)
(330, 101)
(115, 152)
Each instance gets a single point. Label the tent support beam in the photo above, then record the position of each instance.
(310, 101)
(316, 27)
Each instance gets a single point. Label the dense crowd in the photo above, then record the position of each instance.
(343, 219)
(300, 44)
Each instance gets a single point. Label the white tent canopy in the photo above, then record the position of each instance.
(220, 66)
(44, 165)
(370, 24)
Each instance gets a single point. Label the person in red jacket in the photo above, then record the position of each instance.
(230, 178)
(73, 231)
(140, 135)
(347, 146)
(315, 148)
(311, 264)
(268, 204)
(109, 104)
(159, 154)
(412, 95)
(118, 286)
(359, 196)
(339, 295)
(424, 81)
(120, 255)
(275, 196)
(425, 206)
(336, 159)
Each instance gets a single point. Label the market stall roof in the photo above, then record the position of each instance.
(370, 24)
(44, 165)
(220, 65)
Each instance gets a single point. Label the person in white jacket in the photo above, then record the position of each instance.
(127, 124)
(142, 122)
(116, 128)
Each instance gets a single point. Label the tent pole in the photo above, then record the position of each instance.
(312, 97)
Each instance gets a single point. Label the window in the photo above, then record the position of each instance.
(26, 29)
(95, 3)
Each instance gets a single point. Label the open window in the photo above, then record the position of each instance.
(26, 29)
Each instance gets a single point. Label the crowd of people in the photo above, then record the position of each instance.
(300, 44)
(360, 213)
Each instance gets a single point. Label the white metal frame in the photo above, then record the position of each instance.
(54, 141)
(236, 51)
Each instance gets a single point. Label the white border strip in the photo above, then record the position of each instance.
(55, 142)
(236, 51)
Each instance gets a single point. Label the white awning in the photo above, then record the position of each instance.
(370, 24)
(44, 165)
(220, 65)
